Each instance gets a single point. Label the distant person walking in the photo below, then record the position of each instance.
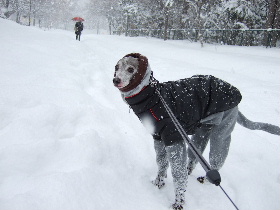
(79, 26)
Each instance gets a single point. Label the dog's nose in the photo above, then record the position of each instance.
(116, 81)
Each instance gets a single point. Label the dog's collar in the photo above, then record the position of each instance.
(152, 82)
(137, 93)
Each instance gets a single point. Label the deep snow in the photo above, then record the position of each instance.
(68, 141)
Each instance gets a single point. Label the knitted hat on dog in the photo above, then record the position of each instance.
(138, 77)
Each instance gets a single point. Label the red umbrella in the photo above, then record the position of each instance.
(78, 19)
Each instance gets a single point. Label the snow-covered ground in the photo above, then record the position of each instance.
(68, 141)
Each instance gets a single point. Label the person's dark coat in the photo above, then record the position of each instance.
(191, 100)
(79, 26)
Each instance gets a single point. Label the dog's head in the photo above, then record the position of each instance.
(124, 71)
(130, 71)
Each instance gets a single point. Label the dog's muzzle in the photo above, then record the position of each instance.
(116, 81)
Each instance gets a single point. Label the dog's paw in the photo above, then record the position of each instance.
(190, 167)
(176, 207)
(203, 180)
(179, 200)
(159, 182)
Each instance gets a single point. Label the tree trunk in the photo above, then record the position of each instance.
(110, 27)
(97, 27)
(29, 22)
(273, 22)
(127, 25)
(18, 17)
(276, 25)
(199, 23)
(165, 23)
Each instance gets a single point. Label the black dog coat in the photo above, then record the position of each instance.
(191, 100)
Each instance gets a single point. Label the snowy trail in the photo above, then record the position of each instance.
(67, 141)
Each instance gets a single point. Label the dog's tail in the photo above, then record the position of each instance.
(242, 120)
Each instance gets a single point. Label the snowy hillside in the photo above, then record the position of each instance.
(68, 141)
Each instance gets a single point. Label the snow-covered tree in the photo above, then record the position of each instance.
(203, 20)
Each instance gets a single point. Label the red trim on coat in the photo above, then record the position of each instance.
(154, 115)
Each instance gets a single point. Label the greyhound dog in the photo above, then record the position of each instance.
(207, 108)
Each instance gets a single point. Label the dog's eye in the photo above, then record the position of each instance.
(116, 67)
(130, 70)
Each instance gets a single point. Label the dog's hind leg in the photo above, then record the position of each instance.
(200, 140)
(242, 120)
(220, 139)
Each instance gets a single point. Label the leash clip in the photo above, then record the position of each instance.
(153, 81)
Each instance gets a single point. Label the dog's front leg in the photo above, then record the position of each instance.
(162, 162)
(177, 156)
